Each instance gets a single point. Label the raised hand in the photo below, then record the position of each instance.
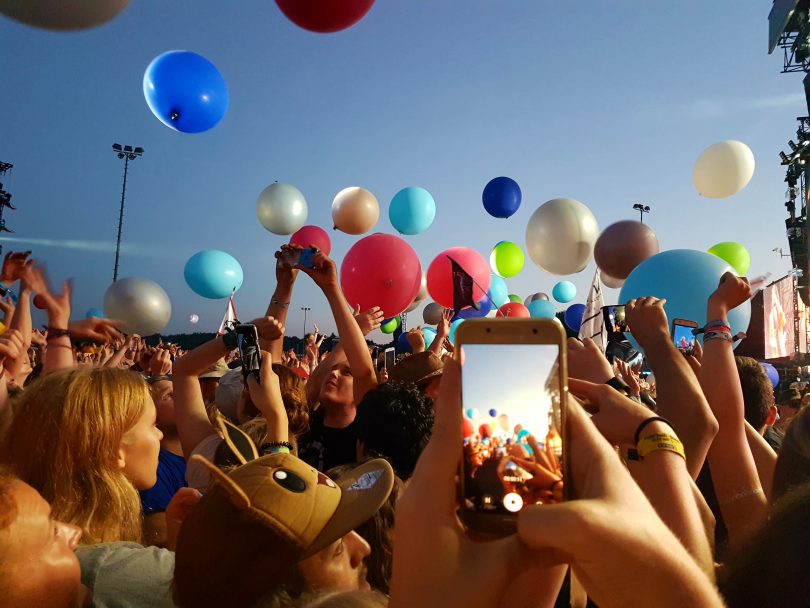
(443, 327)
(161, 363)
(14, 266)
(11, 346)
(416, 339)
(629, 376)
(285, 272)
(97, 330)
(616, 416)
(647, 321)
(324, 271)
(368, 320)
(730, 293)
(268, 328)
(587, 362)
(56, 305)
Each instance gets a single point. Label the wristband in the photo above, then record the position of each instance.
(53, 332)
(660, 441)
(619, 384)
(647, 422)
(276, 447)
(713, 326)
(279, 303)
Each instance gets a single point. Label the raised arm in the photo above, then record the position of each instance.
(267, 399)
(680, 398)
(59, 352)
(280, 301)
(442, 332)
(734, 473)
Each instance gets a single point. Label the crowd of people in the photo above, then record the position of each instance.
(137, 475)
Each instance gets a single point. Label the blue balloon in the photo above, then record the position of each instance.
(770, 370)
(429, 334)
(498, 292)
(573, 316)
(213, 274)
(484, 307)
(564, 292)
(94, 312)
(501, 197)
(686, 278)
(493, 412)
(412, 210)
(453, 326)
(185, 91)
(402, 343)
(541, 309)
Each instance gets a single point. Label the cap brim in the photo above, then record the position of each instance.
(430, 376)
(364, 490)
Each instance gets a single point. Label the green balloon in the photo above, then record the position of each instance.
(514, 298)
(506, 259)
(735, 254)
(390, 326)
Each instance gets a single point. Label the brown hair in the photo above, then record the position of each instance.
(793, 463)
(294, 396)
(64, 441)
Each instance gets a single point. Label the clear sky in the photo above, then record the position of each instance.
(606, 102)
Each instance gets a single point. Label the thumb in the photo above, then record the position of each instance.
(356, 310)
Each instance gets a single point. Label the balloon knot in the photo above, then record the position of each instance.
(174, 115)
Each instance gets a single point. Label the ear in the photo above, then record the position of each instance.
(122, 457)
(771, 416)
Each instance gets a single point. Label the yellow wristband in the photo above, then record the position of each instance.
(660, 441)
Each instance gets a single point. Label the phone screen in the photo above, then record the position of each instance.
(390, 358)
(248, 344)
(512, 427)
(683, 337)
(614, 319)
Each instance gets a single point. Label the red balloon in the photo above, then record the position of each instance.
(381, 270)
(325, 16)
(312, 236)
(467, 428)
(513, 310)
(440, 274)
(39, 302)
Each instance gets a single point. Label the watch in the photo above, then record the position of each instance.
(619, 384)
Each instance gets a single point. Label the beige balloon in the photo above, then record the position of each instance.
(561, 235)
(355, 210)
(62, 15)
(723, 169)
(421, 295)
(609, 281)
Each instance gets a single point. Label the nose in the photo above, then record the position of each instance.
(71, 533)
(358, 548)
(160, 434)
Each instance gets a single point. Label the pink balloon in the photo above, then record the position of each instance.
(440, 274)
(467, 428)
(381, 270)
(513, 310)
(312, 236)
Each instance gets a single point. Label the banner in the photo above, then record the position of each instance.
(779, 312)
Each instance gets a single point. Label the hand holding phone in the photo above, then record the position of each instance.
(293, 257)
(682, 335)
(247, 341)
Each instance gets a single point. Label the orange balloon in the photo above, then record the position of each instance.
(355, 210)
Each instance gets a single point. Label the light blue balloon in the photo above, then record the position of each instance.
(498, 292)
(412, 210)
(564, 292)
(429, 334)
(94, 312)
(686, 278)
(213, 274)
(453, 326)
(541, 309)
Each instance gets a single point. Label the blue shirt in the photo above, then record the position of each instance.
(171, 476)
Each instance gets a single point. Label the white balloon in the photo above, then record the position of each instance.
(609, 281)
(723, 169)
(193, 319)
(61, 14)
(141, 304)
(282, 209)
(355, 210)
(421, 295)
(561, 235)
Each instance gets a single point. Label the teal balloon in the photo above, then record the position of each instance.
(412, 210)
(389, 326)
(564, 292)
(498, 292)
(471, 413)
(541, 309)
(429, 334)
(453, 326)
(94, 312)
(213, 274)
(686, 278)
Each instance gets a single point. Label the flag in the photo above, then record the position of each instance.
(229, 320)
(462, 287)
(593, 321)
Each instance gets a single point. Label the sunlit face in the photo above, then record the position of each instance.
(38, 552)
(138, 453)
(338, 387)
(163, 398)
(340, 566)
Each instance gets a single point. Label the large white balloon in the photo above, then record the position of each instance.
(282, 208)
(355, 210)
(723, 169)
(609, 281)
(62, 14)
(421, 295)
(561, 235)
(140, 303)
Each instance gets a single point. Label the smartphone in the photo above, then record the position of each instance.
(682, 335)
(514, 391)
(248, 343)
(614, 319)
(296, 257)
(390, 358)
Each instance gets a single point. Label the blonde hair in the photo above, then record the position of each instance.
(64, 441)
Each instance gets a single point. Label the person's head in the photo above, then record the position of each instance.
(86, 440)
(209, 380)
(37, 564)
(760, 411)
(337, 389)
(788, 404)
(423, 369)
(395, 421)
(276, 527)
(793, 463)
(163, 398)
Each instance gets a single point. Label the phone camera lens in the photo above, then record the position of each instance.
(488, 330)
(534, 331)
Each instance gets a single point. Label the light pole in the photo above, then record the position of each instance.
(126, 153)
(642, 209)
(306, 309)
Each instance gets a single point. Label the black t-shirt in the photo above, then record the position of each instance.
(324, 447)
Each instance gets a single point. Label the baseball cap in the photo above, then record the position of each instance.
(217, 370)
(246, 534)
(228, 392)
(418, 368)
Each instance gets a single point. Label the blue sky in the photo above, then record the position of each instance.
(608, 103)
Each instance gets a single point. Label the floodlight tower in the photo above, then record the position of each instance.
(125, 153)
